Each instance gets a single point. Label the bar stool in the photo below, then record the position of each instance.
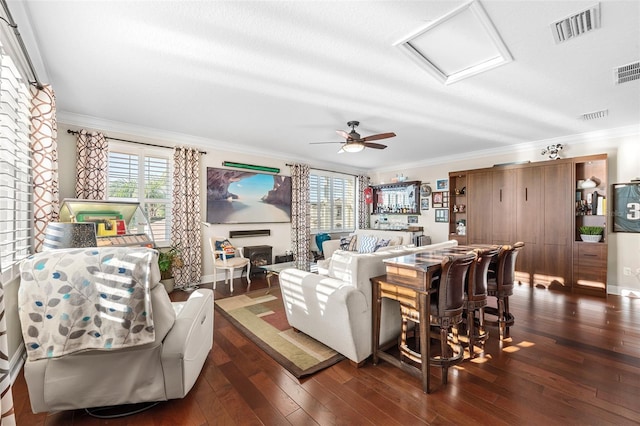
(475, 298)
(446, 306)
(500, 285)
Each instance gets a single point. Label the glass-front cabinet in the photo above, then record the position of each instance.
(397, 198)
(118, 223)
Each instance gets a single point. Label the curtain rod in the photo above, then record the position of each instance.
(326, 170)
(23, 48)
(75, 132)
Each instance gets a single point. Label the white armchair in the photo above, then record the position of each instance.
(227, 262)
(100, 330)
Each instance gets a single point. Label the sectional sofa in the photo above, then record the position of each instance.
(335, 308)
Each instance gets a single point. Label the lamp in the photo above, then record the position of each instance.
(552, 150)
(352, 147)
(251, 167)
(60, 235)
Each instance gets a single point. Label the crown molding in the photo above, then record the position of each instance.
(576, 139)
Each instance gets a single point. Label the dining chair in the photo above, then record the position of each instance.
(228, 259)
(446, 307)
(500, 282)
(475, 297)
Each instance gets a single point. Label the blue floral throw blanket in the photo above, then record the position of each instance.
(92, 298)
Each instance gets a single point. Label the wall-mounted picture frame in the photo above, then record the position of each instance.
(626, 207)
(442, 185)
(442, 215)
(437, 199)
(412, 219)
(424, 203)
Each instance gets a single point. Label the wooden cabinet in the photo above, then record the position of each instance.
(590, 259)
(537, 203)
(556, 226)
(503, 197)
(479, 209)
(458, 208)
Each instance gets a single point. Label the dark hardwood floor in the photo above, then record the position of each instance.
(571, 360)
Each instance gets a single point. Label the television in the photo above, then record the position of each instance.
(239, 196)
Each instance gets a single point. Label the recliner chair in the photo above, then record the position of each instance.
(67, 378)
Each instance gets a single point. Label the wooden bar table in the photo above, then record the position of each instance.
(408, 280)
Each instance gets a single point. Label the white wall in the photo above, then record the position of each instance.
(620, 145)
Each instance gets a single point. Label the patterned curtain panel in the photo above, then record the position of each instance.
(185, 228)
(300, 215)
(92, 161)
(6, 397)
(44, 155)
(364, 219)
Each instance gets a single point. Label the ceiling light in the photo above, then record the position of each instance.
(458, 45)
(352, 147)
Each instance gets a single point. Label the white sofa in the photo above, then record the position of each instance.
(398, 238)
(335, 309)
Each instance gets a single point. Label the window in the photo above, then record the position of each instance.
(332, 202)
(143, 175)
(16, 189)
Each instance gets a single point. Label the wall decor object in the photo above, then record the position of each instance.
(412, 219)
(442, 185)
(437, 199)
(235, 196)
(425, 190)
(626, 207)
(442, 215)
(424, 204)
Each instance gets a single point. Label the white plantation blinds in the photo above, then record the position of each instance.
(332, 202)
(136, 174)
(15, 169)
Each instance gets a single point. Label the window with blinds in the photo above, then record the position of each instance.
(136, 174)
(332, 202)
(16, 199)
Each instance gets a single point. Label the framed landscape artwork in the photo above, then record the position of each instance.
(235, 196)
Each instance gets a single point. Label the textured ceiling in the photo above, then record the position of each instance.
(273, 76)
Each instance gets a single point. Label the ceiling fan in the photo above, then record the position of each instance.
(354, 143)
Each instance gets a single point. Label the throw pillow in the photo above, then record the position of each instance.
(226, 247)
(395, 241)
(367, 244)
(348, 243)
(381, 243)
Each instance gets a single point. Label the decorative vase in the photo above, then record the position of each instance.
(591, 238)
(169, 284)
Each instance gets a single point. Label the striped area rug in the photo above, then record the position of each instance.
(262, 319)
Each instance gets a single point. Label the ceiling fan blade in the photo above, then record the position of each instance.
(378, 136)
(343, 134)
(374, 145)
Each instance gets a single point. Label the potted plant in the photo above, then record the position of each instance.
(167, 260)
(591, 234)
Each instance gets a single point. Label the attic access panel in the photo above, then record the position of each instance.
(458, 45)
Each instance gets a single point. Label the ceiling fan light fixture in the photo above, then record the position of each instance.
(352, 147)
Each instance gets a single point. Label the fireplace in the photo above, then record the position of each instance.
(258, 256)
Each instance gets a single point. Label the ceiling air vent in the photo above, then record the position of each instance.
(627, 73)
(576, 24)
(594, 115)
